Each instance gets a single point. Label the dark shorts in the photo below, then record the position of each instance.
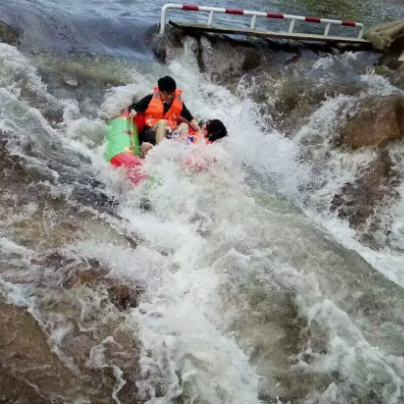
(147, 135)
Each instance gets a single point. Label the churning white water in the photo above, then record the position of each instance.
(246, 299)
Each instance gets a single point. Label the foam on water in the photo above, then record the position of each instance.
(182, 348)
(206, 223)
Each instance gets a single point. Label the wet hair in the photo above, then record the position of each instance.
(167, 84)
(216, 130)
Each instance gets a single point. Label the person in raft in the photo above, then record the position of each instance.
(162, 112)
(210, 130)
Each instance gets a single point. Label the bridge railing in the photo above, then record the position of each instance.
(254, 14)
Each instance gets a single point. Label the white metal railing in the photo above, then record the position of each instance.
(255, 14)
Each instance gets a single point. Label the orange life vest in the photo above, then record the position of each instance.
(155, 110)
(195, 139)
(194, 136)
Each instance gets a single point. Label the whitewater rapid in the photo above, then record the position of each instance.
(249, 295)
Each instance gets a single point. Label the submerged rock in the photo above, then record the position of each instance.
(30, 371)
(358, 201)
(123, 296)
(93, 274)
(71, 81)
(375, 124)
(9, 35)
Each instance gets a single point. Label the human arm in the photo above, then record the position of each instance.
(140, 106)
(189, 117)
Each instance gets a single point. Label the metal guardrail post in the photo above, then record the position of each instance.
(253, 21)
(210, 20)
(292, 26)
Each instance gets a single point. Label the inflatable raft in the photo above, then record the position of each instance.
(123, 145)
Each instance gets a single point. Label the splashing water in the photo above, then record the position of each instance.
(245, 299)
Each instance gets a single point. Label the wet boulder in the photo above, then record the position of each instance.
(374, 123)
(395, 74)
(92, 274)
(30, 371)
(163, 45)
(9, 35)
(385, 36)
(358, 201)
(124, 296)
(226, 59)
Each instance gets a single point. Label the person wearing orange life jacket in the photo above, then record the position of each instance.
(162, 111)
(210, 131)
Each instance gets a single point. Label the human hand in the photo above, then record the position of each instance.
(132, 114)
(194, 124)
(145, 148)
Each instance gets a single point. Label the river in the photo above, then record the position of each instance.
(245, 286)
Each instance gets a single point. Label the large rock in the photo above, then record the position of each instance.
(383, 36)
(379, 122)
(30, 371)
(93, 274)
(9, 34)
(358, 201)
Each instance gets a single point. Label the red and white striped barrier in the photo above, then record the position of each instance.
(255, 14)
